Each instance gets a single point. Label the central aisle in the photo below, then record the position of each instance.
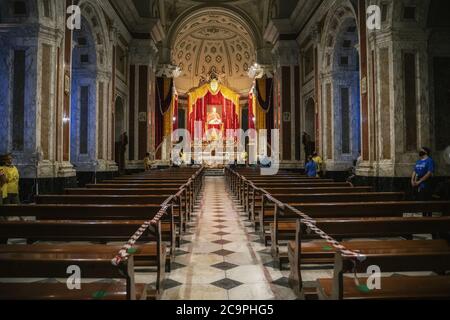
(221, 258)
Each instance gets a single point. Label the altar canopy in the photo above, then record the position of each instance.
(216, 107)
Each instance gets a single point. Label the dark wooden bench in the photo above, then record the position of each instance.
(247, 189)
(256, 196)
(55, 265)
(287, 214)
(267, 207)
(101, 199)
(248, 186)
(319, 252)
(394, 287)
(239, 182)
(151, 197)
(189, 194)
(179, 212)
(119, 213)
(150, 250)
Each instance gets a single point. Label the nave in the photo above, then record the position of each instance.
(221, 257)
(182, 234)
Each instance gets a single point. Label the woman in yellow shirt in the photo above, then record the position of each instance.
(12, 180)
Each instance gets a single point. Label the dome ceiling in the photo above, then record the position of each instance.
(213, 41)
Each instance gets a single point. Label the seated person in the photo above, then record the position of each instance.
(147, 162)
(318, 160)
(311, 168)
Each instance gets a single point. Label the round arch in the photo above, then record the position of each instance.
(341, 12)
(238, 14)
(96, 20)
(213, 40)
(341, 69)
(90, 52)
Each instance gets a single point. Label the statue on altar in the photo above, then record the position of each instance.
(214, 119)
(214, 125)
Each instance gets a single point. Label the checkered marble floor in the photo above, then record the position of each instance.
(221, 258)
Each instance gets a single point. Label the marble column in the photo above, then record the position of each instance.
(143, 62)
(287, 99)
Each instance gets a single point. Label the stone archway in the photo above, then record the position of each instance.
(213, 40)
(83, 97)
(341, 69)
(90, 46)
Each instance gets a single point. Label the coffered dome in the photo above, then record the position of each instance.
(213, 41)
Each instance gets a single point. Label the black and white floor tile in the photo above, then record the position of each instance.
(223, 258)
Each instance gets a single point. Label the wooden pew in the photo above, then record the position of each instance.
(189, 194)
(192, 190)
(256, 197)
(395, 287)
(239, 181)
(350, 196)
(98, 199)
(108, 190)
(320, 252)
(182, 200)
(283, 224)
(93, 266)
(191, 179)
(247, 187)
(150, 249)
(100, 231)
(122, 213)
(319, 203)
(179, 213)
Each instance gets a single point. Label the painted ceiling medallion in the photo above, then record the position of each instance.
(222, 44)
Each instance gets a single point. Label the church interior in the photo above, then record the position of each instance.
(224, 150)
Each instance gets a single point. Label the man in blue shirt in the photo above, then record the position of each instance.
(311, 168)
(421, 178)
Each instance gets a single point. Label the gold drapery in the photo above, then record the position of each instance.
(259, 111)
(214, 88)
(168, 116)
(168, 119)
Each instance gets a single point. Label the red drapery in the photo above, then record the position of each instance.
(230, 118)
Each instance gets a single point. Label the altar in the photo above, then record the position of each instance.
(213, 112)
